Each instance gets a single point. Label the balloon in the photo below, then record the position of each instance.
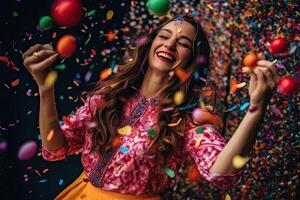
(27, 150)
(46, 23)
(287, 85)
(158, 7)
(250, 60)
(67, 13)
(3, 146)
(66, 46)
(279, 45)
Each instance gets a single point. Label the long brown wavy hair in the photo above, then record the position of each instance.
(121, 85)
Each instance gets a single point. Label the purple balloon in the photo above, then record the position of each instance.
(3, 146)
(27, 150)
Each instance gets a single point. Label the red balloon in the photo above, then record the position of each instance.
(67, 13)
(287, 85)
(279, 45)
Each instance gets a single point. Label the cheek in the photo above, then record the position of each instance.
(185, 56)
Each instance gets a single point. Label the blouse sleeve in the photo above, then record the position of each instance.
(74, 128)
(204, 143)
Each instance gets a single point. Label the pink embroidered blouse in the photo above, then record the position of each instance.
(132, 169)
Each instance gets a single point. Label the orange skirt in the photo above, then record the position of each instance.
(82, 190)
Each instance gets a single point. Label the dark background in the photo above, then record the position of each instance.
(19, 112)
(234, 28)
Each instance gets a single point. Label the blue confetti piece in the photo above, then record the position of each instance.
(232, 108)
(61, 182)
(244, 106)
(123, 149)
(43, 181)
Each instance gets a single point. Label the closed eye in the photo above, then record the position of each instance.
(184, 45)
(162, 36)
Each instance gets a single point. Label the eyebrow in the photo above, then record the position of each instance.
(182, 36)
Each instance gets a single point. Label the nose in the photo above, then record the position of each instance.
(170, 44)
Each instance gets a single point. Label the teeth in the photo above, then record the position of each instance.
(167, 56)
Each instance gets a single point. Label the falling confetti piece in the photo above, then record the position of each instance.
(240, 85)
(178, 97)
(50, 135)
(105, 73)
(109, 14)
(227, 197)
(152, 133)
(15, 83)
(198, 141)
(169, 172)
(244, 106)
(123, 149)
(182, 75)
(200, 129)
(50, 79)
(125, 130)
(238, 161)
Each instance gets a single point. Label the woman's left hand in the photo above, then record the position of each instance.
(263, 81)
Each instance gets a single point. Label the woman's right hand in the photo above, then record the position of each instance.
(38, 60)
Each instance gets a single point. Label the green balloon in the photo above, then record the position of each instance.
(159, 7)
(46, 23)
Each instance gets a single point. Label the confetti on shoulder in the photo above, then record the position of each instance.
(125, 130)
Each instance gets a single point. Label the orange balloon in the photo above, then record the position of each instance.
(66, 46)
(250, 60)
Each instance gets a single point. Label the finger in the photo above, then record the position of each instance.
(268, 76)
(32, 49)
(260, 78)
(271, 67)
(261, 56)
(264, 63)
(42, 54)
(247, 70)
(48, 46)
(45, 63)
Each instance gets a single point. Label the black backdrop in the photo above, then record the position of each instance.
(19, 111)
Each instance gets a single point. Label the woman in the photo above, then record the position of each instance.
(131, 132)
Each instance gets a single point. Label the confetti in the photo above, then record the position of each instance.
(169, 172)
(125, 130)
(50, 79)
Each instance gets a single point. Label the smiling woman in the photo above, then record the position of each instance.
(132, 133)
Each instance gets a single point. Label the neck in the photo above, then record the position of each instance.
(154, 83)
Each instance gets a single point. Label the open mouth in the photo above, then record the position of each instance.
(165, 56)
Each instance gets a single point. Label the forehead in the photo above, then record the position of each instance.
(181, 28)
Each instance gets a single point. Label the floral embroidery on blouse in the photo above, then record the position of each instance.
(132, 169)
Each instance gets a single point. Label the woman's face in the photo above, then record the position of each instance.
(172, 47)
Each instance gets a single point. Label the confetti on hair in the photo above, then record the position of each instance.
(175, 124)
(178, 97)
